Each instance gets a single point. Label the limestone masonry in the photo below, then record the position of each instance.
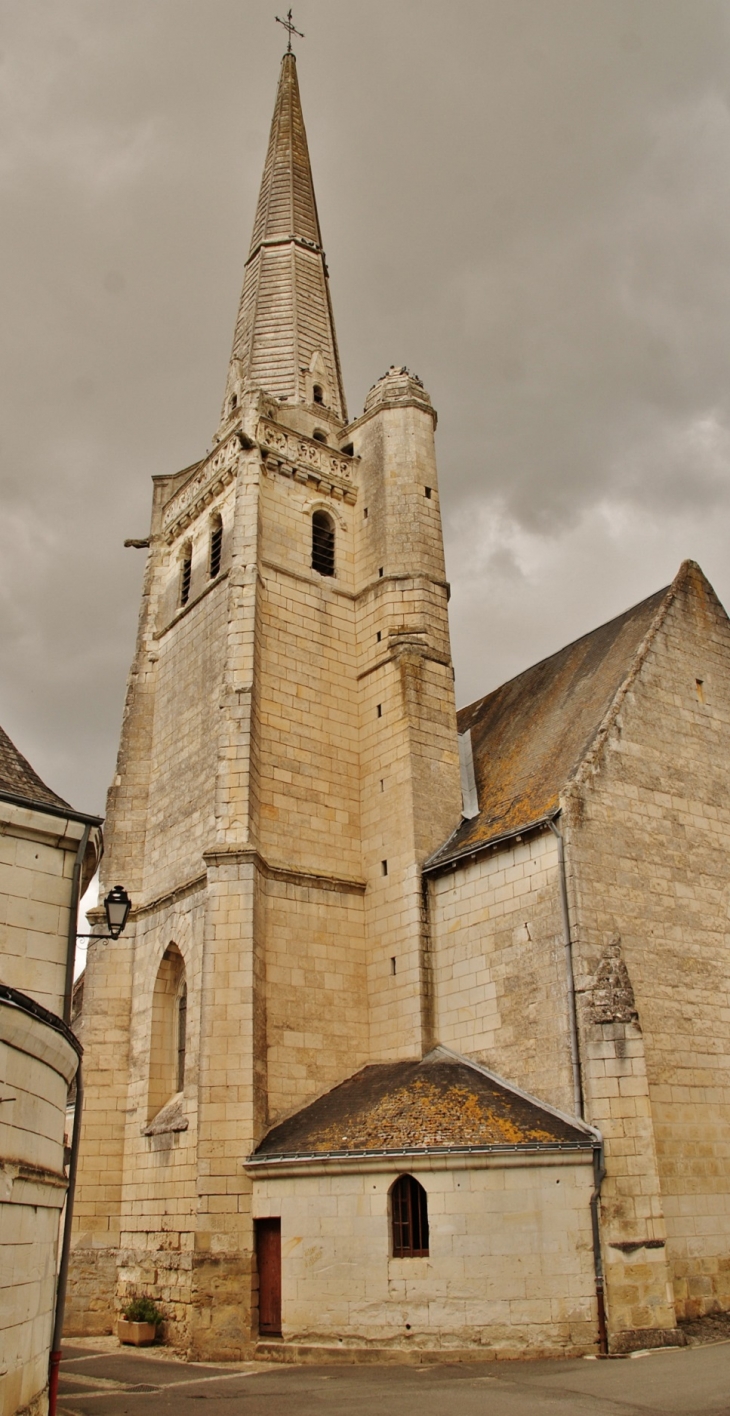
(492, 949)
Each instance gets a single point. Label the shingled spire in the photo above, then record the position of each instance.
(285, 338)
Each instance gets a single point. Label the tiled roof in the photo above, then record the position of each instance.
(530, 735)
(285, 315)
(442, 1102)
(18, 779)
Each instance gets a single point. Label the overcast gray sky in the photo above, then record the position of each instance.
(526, 201)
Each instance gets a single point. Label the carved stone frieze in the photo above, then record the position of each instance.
(214, 474)
(307, 461)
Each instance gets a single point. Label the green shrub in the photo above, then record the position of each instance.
(143, 1310)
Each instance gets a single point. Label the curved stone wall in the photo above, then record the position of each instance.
(37, 1063)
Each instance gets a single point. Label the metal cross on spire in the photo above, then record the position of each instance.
(290, 29)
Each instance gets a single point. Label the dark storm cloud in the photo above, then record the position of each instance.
(526, 201)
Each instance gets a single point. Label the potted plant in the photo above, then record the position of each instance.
(138, 1327)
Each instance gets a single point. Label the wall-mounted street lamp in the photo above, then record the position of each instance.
(117, 905)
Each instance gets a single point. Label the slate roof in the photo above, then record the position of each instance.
(18, 779)
(441, 1103)
(530, 735)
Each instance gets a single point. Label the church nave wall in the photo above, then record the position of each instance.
(499, 966)
(648, 853)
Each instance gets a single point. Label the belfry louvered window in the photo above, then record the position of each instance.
(216, 547)
(409, 1218)
(186, 570)
(323, 543)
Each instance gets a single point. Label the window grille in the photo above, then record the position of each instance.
(323, 543)
(409, 1215)
(216, 547)
(182, 1021)
(187, 567)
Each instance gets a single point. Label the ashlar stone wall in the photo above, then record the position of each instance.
(499, 966)
(648, 844)
(509, 1268)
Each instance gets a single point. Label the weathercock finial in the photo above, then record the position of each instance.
(290, 29)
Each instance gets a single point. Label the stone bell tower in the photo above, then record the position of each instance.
(288, 759)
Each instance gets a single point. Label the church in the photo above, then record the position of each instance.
(417, 1043)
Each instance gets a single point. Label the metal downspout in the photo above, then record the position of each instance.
(73, 924)
(599, 1169)
(570, 980)
(599, 1172)
(56, 1354)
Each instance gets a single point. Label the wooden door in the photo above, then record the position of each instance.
(268, 1262)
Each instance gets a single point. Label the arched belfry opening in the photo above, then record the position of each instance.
(168, 1034)
(323, 543)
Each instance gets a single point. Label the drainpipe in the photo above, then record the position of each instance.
(599, 1172)
(569, 977)
(56, 1353)
(599, 1169)
(73, 923)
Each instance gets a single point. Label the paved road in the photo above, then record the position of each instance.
(688, 1382)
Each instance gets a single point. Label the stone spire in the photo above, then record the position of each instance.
(285, 338)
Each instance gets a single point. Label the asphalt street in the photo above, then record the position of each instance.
(103, 1380)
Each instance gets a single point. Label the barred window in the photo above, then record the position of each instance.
(216, 547)
(182, 1020)
(409, 1217)
(185, 573)
(323, 543)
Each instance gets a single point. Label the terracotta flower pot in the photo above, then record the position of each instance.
(136, 1334)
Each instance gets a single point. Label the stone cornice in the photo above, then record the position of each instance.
(306, 460)
(211, 477)
(249, 855)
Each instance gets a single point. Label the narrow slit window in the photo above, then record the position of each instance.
(409, 1218)
(182, 1021)
(380, 710)
(700, 690)
(392, 966)
(384, 866)
(379, 635)
(216, 547)
(427, 491)
(186, 570)
(323, 543)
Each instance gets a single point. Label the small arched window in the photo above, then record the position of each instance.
(216, 546)
(318, 393)
(186, 569)
(319, 436)
(233, 404)
(323, 543)
(409, 1218)
(182, 1022)
(168, 1031)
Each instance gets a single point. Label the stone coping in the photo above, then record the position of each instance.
(30, 1028)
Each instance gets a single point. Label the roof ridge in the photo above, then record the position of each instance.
(572, 643)
(577, 1121)
(595, 746)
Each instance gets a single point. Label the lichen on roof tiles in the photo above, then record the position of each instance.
(442, 1102)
